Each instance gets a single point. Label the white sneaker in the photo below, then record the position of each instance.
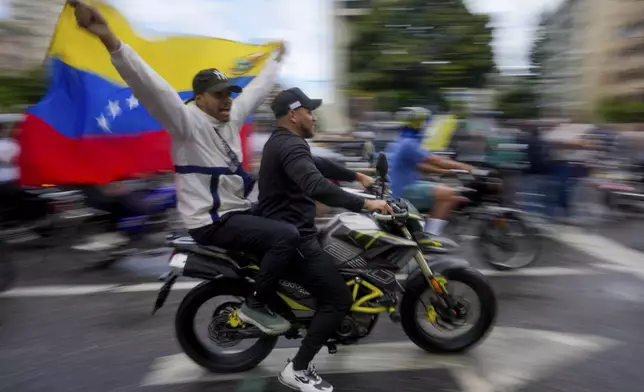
(102, 242)
(303, 380)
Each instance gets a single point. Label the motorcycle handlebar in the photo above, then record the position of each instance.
(383, 217)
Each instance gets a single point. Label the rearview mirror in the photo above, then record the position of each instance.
(382, 165)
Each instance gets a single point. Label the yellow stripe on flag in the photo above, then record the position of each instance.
(177, 59)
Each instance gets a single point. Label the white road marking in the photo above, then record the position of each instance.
(496, 365)
(542, 271)
(145, 287)
(469, 379)
(78, 290)
(56, 291)
(600, 247)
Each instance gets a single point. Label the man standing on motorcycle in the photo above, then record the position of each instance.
(290, 182)
(409, 161)
(212, 186)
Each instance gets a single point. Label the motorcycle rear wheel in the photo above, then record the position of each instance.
(411, 322)
(194, 347)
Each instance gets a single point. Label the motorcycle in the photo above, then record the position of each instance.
(64, 210)
(368, 250)
(496, 226)
(480, 208)
(621, 193)
(146, 234)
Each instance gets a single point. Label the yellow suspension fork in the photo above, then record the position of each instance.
(436, 283)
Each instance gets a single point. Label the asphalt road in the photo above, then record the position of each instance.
(567, 324)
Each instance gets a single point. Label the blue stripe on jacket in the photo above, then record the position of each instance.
(215, 173)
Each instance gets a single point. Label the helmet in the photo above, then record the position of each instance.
(415, 118)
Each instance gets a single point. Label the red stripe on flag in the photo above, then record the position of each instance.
(48, 157)
(247, 146)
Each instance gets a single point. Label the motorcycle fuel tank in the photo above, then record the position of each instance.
(355, 240)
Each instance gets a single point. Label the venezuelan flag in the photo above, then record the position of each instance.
(89, 128)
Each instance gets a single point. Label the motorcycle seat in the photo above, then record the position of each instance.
(188, 243)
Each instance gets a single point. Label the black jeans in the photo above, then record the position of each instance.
(276, 241)
(318, 274)
(286, 255)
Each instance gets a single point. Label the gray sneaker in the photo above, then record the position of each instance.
(263, 318)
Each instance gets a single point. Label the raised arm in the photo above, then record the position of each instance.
(149, 88)
(258, 89)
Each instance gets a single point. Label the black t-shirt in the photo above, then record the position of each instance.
(291, 180)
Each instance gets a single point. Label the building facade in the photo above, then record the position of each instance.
(594, 50)
(561, 67)
(26, 34)
(627, 65)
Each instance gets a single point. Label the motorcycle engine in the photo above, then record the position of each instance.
(356, 325)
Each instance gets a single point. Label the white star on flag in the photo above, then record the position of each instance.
(102, 122)
(114, 109)
(132, 102)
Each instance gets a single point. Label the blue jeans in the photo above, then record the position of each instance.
(534, 189)
(565, 176)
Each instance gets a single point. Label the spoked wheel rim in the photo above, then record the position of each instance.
(508, 243)
(437, 323)
(197, 319)
(211, 326)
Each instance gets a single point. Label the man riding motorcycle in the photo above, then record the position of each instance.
(290, 182)
(409, 161)
(212, 187)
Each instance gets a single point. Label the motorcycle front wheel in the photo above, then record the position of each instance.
(510, 234)
(424, 322)
(198, 349)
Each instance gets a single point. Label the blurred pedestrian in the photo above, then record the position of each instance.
(537, 170)
(569, 152)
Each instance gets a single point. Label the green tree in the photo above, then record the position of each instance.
(21, 90)
(519, 103)
(619, 111)
(408, 50)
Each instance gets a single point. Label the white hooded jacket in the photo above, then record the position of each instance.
(206, 187)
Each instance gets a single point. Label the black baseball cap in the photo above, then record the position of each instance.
(292, 99)
(212, 80)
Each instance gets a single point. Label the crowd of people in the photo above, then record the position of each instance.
(543, 164)
(213, 188)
